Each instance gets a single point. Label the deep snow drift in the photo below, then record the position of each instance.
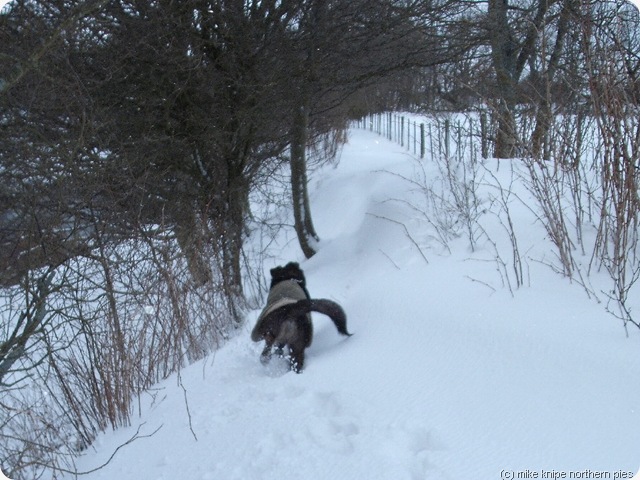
(448, 375)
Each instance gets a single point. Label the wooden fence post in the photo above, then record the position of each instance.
(415, 136)
(484, 136)
(459, 140)
(446, 138)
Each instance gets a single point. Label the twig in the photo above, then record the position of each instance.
(186, 403)
(135, 437)
(406, 231)
(389, 258)
(474, 280)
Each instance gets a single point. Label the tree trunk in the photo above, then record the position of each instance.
(505, 62)
(307, 236)
(509, 57)
(544, 114)
(505, 143)
(229, 234)
(189, 234)
(503, 55)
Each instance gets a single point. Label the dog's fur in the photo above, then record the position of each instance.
(286, 319)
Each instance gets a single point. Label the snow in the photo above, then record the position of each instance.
(448, 374)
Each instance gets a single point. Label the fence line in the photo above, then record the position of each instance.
(571, 138)
(434, 135)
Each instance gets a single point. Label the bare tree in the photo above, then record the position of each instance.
(342, 49)
(131, 141)
(518, 34)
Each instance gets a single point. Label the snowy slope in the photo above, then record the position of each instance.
(448, 375)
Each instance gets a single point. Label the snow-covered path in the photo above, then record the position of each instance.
(448, 376)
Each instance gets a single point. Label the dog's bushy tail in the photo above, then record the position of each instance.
(324, 306)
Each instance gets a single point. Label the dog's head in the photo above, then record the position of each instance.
(291, 271)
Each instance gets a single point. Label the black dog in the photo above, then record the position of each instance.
(286, 319)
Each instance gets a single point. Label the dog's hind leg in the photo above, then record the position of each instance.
(279, 349)
(296, 359)
(265, 356)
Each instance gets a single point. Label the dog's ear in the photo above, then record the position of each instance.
(293, 271)
(278, 273)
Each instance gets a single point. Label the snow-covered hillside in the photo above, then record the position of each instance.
(447, 376)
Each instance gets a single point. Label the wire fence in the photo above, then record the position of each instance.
(455, 137)
(470, 135)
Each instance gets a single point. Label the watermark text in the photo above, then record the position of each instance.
(565, 474)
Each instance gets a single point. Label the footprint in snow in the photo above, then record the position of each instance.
(410, 446)
(329, 427)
